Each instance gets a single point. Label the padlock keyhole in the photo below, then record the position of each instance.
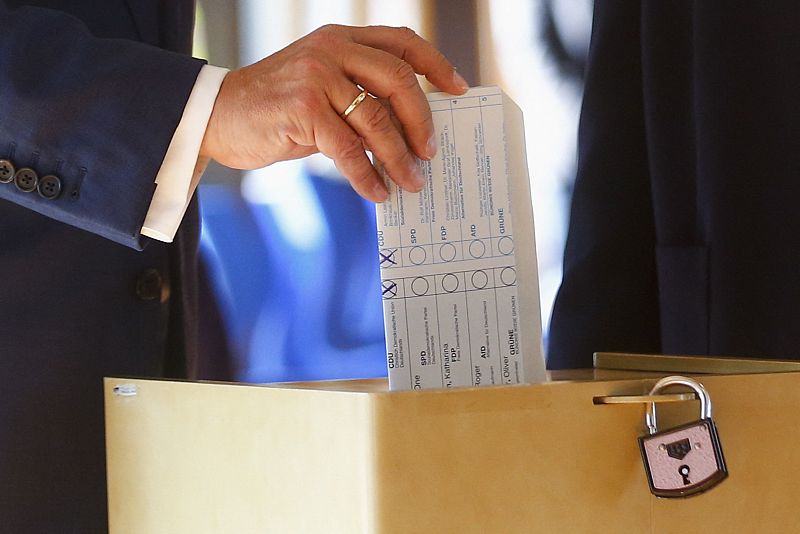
(684, 471)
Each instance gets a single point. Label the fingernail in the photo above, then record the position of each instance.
(380, 192)
(419, 179)
(431, 147)
(460, 81)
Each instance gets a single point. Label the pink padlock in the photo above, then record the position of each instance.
(685, 460)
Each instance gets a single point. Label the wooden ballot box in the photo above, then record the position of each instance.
(352, 457)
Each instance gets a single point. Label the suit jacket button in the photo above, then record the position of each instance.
(7, 171)
(151, 286)
(26, 180)
(49, 186)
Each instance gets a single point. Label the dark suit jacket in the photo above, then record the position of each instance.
(685, 227)
(80, 99)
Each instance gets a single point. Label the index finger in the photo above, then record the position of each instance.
(416, 51)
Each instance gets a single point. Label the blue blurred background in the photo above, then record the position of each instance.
(296, 285)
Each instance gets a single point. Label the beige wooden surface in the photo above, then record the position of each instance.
(355, 458)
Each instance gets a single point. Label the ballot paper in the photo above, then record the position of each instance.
(459, 277)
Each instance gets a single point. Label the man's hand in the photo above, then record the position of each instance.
(289, 105)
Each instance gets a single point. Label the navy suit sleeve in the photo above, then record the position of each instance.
(97, 113)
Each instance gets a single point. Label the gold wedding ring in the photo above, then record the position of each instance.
(354, 104)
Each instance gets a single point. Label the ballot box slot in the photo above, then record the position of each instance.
(643, 399)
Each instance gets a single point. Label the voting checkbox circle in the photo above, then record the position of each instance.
(477, 248)
(388, 258)
(420, 286)
(417, 255)
(389, 289)
(508, 276)
(505, 245)
(447, 252)
(479, 279)
(450, 282)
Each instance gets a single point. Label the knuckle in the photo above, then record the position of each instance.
(327, 35)
(404, 74)
(350, 148)
(406, 34)
(309, 66)
(329, 28)
(376, 119)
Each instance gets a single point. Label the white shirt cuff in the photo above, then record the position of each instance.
(182, 167)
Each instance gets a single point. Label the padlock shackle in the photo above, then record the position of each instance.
(702, 394)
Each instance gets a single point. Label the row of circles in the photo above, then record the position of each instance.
(450, 283)
(447, 252)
